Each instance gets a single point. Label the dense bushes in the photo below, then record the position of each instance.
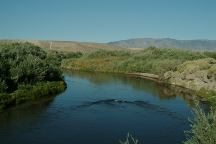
(30, 93)
(24, 63)
(210, 54)
(203, 128)
(27, 72)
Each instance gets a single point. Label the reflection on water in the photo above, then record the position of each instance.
(101, 108)
(161, 90)
(24, 111)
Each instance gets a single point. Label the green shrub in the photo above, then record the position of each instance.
(203, 128)
(24, 63)
(210, 54)
(104, 53)
(6, 100)
(27, 73)
(3, 86)
(27, 93)
(66, 55)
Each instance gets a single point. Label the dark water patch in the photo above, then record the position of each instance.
(141, 104)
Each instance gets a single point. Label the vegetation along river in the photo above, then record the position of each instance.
(100, 108)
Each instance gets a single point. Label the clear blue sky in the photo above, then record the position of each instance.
(107, 20)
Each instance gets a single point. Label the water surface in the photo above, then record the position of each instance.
(101, 108)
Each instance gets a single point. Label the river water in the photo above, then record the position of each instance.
(100, 108)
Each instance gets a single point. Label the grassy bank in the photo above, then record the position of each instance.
(158, 61)
(203, 128)
(27, 93)
(150, 60)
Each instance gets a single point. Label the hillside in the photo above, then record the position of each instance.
(134, 44)
(166, 43)
(68, 46)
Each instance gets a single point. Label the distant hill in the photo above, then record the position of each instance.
(68, 46)
(166, 43)
(135, 44)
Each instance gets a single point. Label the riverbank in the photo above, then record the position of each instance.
(145, 76)
(155, 64)
(31, 93)
(198, 75)
(204, 95)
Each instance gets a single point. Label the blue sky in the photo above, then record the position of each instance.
(107, 20)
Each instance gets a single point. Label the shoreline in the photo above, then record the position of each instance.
(36, 92)
(148, 76)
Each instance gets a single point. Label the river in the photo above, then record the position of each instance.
(99, 108)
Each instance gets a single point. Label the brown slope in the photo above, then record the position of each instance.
(69, 46)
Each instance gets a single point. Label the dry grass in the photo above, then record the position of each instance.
(107, 64)
(69, 46)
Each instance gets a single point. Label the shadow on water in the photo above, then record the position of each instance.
(141, 104)
(31, 110)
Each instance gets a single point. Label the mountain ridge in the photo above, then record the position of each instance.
(197, 44)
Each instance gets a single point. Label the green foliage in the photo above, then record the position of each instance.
(73, 55)
(27, 72)
(30, 93)
(150, 60)
(158, 61)
(104, 53)
(210, 54)
(129, 140)
(67, 55)
(24, 63)
(203, 128)
(209, 95)
(3, 86)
